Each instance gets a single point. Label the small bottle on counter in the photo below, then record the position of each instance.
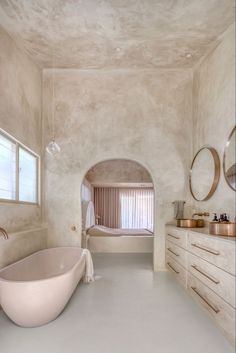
(215, 219)
(225, 218)
(221, 219)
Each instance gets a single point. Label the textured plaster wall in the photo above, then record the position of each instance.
(214, 113)
(20, 116)
(118, 171)
(101, 115)
(22, 244)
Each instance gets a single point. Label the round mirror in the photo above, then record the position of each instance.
(204, 174)
(229, 160)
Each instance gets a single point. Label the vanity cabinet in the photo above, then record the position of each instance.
(221, 282)
(222, 313)
(177, 253)
(205, 266)
(214, 250)
(177, 236)
(178, 271)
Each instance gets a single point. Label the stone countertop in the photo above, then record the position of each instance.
(205, 231)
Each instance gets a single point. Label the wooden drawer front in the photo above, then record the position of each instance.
(179, 237)
(221, 282)
(222, 313)
(217, 252)
(179, 272)
(177, 253)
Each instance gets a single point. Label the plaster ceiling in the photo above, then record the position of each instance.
(115, 34)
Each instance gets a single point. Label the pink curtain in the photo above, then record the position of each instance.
(130, 208)
(106, 205)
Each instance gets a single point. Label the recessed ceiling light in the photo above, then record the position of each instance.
(118, 49)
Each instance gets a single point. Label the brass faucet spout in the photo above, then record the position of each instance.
(4, 233)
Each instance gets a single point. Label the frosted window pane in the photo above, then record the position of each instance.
(27, 176)
(7, 169)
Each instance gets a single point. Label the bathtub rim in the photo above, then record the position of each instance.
(42, 279)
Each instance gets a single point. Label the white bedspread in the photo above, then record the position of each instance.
(105, 231)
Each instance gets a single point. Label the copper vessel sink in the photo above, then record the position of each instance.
(190, 223)
(225, 229)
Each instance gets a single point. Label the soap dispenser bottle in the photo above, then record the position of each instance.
(221, 219)
(225, 218)
(215, 219)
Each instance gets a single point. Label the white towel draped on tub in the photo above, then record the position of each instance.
(89, 272)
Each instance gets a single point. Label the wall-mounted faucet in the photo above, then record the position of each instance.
(4, 233)
(201, 214)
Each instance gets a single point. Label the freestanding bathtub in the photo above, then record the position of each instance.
(35, 290)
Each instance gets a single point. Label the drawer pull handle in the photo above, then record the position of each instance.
(173, 236)
(170, 250)
(172, 268)
(214, 252)
(205, 274)
(215, 309)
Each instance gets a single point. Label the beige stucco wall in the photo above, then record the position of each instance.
(214, 113)
(20, 116)
(22, 244)
(101, 115)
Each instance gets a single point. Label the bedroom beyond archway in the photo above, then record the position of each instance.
(120, 194)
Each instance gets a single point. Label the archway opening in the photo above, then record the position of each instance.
(118, 201)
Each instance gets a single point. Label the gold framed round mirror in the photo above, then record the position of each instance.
(204, 173)
(229, 160)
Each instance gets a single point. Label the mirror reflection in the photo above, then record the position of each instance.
(229, 163)
(204, 174)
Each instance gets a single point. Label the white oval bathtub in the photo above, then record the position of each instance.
(35, 290)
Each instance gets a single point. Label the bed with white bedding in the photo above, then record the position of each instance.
(102, 239)
(102, 231)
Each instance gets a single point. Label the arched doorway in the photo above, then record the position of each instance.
(122, 192)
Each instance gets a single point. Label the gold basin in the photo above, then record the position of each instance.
(190, 223)
(225, 229)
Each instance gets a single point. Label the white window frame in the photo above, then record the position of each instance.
(18, 145)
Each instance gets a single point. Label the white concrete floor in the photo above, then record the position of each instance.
(128, 310)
